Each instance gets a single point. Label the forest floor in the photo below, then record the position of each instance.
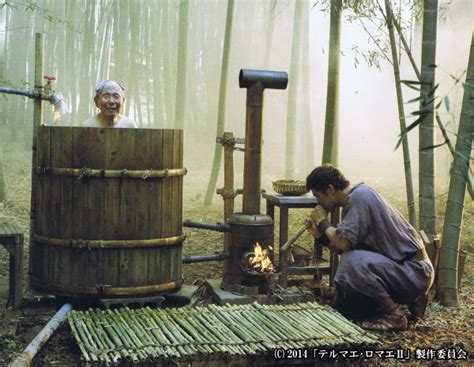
(443, 329)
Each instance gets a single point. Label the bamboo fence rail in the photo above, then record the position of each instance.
(147, 335)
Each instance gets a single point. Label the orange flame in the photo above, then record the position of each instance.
(261, 262)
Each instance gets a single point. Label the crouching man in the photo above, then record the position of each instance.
(383, 260)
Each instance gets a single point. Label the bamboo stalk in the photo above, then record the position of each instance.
(117, 342)
(145, 338)
(123, 334)
(163, 346)
(249, 346)
(251, 328)
(142, 336)
(226, 336)
(237, 328)
(287, 320)
(401, 116)
(270, 336)
(154, 336)
(452, 150)
(78, 338)
(169, 334)
(193, 326)
(368, 337)
(187, 349)
(223, 334)
(316, 322)
(275, 328)
(176, 330)
(438, 119)
(426, 159)
(112, 350)
(76, 318)
(93, 332)
(336, 328)
(449, 257)
(189, 327)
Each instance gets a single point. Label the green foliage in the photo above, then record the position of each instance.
(8, 344)
(32, 6)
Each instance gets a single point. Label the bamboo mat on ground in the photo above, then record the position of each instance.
(145, 334)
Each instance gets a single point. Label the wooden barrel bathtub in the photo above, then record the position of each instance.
(108, 218)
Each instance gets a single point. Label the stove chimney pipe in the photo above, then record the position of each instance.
(256, 81)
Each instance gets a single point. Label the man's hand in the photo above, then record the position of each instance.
(318, 214)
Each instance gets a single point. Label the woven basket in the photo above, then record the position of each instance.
(290, 187)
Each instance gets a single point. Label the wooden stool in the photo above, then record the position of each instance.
(11, 237)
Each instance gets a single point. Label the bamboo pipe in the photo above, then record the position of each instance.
(289, 244)
(37, 121)
(286, 255)
(218, 256)
(218, 227)
(26, 357)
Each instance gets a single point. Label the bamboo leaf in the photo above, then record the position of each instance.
(446, 103)
(432, 91)
(403, 136)
(413, 87)
(433, 146)
(410, 82)
(415, 99)
(416, 122)
(421, 113)
(457, 79)
(428, 101)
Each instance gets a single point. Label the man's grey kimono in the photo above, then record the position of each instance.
(378, 265)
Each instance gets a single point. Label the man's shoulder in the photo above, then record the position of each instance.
(362, 192)
(126, 122)
(92, 122)
(361, 189)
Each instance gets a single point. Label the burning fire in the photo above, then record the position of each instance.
(261, 262)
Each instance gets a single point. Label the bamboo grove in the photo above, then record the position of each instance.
(179, 60)
(167, 53)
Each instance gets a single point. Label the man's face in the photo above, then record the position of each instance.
(110, 102)
(326, 199)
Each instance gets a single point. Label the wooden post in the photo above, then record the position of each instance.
(227, 192)
(37, 121)
(228, 175)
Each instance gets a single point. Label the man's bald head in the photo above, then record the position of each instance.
(110, 85)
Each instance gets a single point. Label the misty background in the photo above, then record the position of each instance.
(137, 43)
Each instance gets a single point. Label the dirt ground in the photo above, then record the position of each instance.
(431, 342)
